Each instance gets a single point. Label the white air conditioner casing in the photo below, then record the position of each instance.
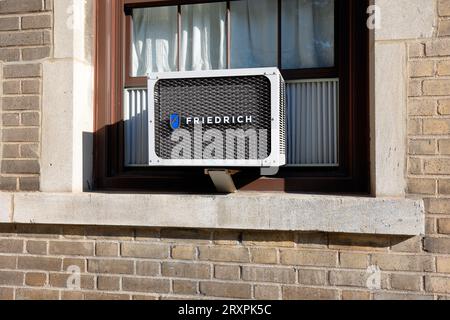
(202, 104)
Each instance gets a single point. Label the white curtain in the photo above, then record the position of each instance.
(155, 39)
(254, 25)
(308, 34)
(203, 37)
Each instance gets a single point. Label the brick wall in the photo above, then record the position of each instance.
(136, 263)
(25, 39)
(127, 263)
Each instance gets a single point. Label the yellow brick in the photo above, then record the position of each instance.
(36, 294)
(443, 264)
(422, 186)
(444, 187)
(444, 147)
(415, 166)
(35, 279)
(317, 258)
(269, 274)
(353, 260)
(303, 293)
(406, 282)
(226, 290)
(355, 295)
(438, 48)
(443, 67)
(436, 126)
(60, 280)
(186, 270)
(263, 255)
(439, 206)
(416, 50)
(225, 254)
(106, 249)
(422, 68)
(141, 250)
(422, 147)
(312, 277)
(444, 8)
(422, 107)
(108, 283)
(437, 166)
(226, 272)
(444, 226)
(183, 252)
(414, 127)
(185, 287)
(393, 262)
(444, 29)
(444, 107)
(438, 284)
(263, 292)
(439, 87)
(415, 88)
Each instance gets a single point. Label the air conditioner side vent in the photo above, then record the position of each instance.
(282, 116)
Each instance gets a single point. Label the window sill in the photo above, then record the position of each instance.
(242, 211)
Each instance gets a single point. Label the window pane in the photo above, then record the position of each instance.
(307, 34)
(254, 35)
(155, 40)
(203, 37)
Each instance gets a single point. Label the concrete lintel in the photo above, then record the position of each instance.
(249, 211)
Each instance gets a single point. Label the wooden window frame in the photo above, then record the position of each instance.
(351, 59)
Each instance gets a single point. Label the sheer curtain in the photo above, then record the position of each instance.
(203, 37)
(254, 36)
(155, 40)
(308, 34)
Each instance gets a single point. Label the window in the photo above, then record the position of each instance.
(319, 45)
(290, 34)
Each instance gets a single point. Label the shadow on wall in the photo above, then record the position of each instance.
(203, 236)
(88, 147)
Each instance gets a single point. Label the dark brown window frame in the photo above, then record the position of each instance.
(352, 175)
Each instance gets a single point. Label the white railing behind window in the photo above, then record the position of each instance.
(312, 124)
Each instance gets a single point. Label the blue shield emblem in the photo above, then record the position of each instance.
(175, 121)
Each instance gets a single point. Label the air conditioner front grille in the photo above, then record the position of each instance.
(210, 97)
(312, 123)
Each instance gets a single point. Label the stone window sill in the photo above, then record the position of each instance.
(242, 211)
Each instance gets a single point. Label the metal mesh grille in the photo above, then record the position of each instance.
(210, 97)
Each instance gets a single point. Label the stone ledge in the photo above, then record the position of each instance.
(245, 211)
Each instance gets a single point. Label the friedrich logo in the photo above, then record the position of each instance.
(175, 121)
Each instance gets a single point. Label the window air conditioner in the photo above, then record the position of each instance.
(221, 118)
